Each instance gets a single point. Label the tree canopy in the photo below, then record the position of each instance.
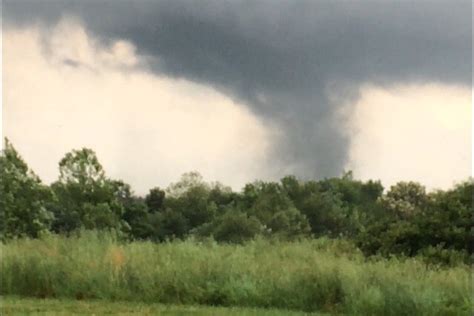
(404, 220)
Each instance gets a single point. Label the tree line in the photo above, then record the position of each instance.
(405, 220)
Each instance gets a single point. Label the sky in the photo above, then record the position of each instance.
(242, 90)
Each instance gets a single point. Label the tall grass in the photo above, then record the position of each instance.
(312, 275)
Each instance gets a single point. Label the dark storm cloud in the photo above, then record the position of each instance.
(285, 58)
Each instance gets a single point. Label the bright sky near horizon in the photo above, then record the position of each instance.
(70, 90)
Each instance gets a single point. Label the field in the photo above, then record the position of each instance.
(327, 276)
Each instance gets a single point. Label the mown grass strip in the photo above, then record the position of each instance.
(28, 306)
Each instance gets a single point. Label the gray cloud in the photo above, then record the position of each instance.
(286, 59)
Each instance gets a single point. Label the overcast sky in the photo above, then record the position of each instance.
(241, 90)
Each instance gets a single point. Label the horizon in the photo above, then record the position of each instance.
(214, 183)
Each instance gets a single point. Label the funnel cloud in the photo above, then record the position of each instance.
(295, 64)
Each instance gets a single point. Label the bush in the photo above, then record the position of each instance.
(445, 257)
(232, 227)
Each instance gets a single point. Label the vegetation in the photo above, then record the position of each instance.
(23, 200)
(332, 245)
(403, 221)
(54, 307)
(324, 275)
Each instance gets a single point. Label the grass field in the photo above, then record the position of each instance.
(22, 306)
(311, 275)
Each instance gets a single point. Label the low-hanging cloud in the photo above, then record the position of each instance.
(146, 129)
(294, 64)
(412, 133)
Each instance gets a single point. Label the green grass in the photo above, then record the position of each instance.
(22, 306)
(312, 275)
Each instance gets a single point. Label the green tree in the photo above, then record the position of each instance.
(86, 198)
(190, 197)
(23, 197)
(154, 199)
(232, 227)
(436, 225)
(81, 167)
(266, 199)
(405, 199)
(289, 224)
(271, 205)
(448, 219)
(326, 213)
(170, 225)
(236, 227)
(188, 181)
(222, 196)
(136, 216)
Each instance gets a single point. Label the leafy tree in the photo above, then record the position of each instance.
(270, 204)
(86, 198)
(222, 196)
(266, 199)
(236, 228)
(187, 182)
(23, 198)
(232, 227)
(154, 199)
(81, 167)
(406, 220)
(448, 219)
(335, 206)
(136, 216)
(438, 225)
(294, 189)
(326, 214)
(135, 210)
(190, 197)
(289, 224)
(169, 224)
(405, 199)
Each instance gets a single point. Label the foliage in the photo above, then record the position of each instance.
(23, 198)
(232, 227)
(86, 198)
(272, 206)
(322, 275)
(154, 199)
(405, 199)
(404, 221)
(437, 225)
